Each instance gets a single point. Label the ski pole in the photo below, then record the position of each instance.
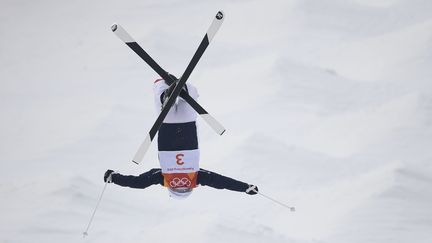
(85, 233)
(292, 209)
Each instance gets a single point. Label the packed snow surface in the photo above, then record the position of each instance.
(327, 105)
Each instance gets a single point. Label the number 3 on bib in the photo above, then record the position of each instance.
(179, 158)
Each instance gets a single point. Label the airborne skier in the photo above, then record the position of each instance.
(177, 140)
(179, 153)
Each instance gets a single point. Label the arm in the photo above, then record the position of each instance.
(151, 177)
(212, 179)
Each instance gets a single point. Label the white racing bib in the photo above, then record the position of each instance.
(186, 161)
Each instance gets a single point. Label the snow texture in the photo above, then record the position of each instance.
(327, 106)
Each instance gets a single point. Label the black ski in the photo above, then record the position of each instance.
(123, 35)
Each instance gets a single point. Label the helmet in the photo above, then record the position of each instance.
(180, 192)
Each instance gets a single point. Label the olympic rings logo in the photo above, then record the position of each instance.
(183, 182)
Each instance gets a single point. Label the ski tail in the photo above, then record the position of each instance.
(217, 127)
(139, 155)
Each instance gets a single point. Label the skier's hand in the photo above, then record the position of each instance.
(108, 176)
(252, 190)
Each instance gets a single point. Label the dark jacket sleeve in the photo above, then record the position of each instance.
(212, 179)
(151, 177)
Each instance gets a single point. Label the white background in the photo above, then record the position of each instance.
(327, 105)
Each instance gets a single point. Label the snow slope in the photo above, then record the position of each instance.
(328, 106)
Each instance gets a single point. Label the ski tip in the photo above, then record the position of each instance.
(114, 27)
(121, 33)
(220, 15)
(214, 27)
(222, 132)
(135, 162)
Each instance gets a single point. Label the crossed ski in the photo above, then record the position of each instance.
(129, 41)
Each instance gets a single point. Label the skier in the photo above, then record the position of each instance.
(179, 153)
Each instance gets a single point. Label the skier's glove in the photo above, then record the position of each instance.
(252, 190)
(108, 176)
